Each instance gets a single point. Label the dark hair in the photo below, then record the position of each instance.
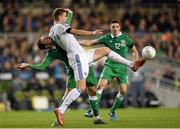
(41, 45)
(115, 21)
(57, 12)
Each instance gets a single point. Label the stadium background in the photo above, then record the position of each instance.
(147, 22)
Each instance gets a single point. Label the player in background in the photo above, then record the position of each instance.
(121, 44)
(78, 59)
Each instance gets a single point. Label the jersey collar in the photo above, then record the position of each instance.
(120, 33)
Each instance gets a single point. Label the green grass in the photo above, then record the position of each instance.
(127, 118)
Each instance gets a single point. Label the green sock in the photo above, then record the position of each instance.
(98, 96)
(98, 100)
(94, 107)
(61, 101)
(116, 104)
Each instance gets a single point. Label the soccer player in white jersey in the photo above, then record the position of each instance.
(78, 59)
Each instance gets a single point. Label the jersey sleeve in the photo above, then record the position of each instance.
(44, 64)
(61, 28)
(69, 17)
(129, 42)
(102, 40)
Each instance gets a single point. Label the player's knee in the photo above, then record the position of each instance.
(101, 86)
(68, 90)
(123, 91)
(81, 85)
(106, 50)
(92, 91)
(82, 88)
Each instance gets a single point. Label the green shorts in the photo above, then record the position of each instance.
(90, 80)
(108, 74)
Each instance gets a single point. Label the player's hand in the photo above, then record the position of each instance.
(22, 65)
(68, 10)
(98, 32)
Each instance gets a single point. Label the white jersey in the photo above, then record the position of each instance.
(65, 40)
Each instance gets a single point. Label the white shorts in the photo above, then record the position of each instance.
(80, 63)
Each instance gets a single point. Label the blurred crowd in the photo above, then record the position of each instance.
(14, 17)
(163, 21)
(146, 26)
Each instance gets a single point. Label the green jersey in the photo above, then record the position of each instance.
(52, 55)
(119, 44)
(69, 18)
(61, 55)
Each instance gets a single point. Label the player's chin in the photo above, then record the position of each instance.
(116, 33)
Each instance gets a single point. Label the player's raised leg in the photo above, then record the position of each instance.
(105, 51)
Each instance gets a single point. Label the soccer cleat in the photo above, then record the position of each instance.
(59, 116)
(89, 114)
(99, 121)
(138, 64)
(55, 123)
(112, 116)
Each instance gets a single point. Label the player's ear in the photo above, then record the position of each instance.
(51, 41)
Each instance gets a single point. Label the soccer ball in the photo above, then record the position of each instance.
(148, 52)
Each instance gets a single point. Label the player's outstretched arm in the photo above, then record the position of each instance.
(135, 53)
(97, 32)
(41, 66)
(87, 42)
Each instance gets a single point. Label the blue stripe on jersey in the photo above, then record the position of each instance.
(79, 66)
(79, 90)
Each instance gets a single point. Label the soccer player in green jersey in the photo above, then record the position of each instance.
(119, 43)
(91, 81)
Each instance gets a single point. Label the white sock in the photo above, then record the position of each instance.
(99, 91)
(96, 117)
(120, 96)
(72, 95)
(92, 97)
(119, 59)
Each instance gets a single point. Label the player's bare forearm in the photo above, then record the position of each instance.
(86, 33)
(135, 53)
(81, 32)
(135, 56)
(87, 42)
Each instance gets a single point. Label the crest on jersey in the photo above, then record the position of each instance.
(123, 43)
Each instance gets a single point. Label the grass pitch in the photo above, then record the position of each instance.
(127, 118)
